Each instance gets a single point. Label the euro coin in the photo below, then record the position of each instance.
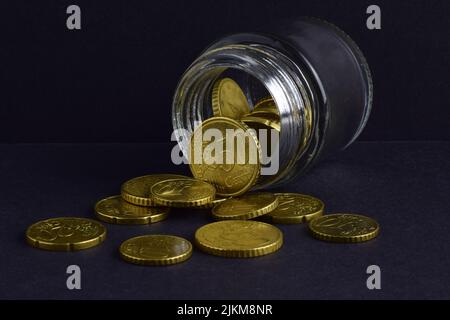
(156, 250)
(248, 206)
(65, 234)
(231, 162)
(344, 227)
(239, 238)
(228, 100)
(138, 190)
(116, 210)
(295, 208)
(183, 192)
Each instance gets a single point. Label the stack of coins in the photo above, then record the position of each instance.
(245, 218)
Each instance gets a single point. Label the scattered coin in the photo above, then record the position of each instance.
(248, 206)
(157, 250)
(183, 192)
(232, 172)
(239, 238)
(138, 190)
(295, 208)
(116, 210)
(65, 234)
(228, 100)
(344, 227)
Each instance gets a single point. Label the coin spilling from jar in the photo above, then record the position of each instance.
(223, 176)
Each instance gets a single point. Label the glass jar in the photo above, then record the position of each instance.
(316, 75)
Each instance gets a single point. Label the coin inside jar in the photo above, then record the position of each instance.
(232, 162)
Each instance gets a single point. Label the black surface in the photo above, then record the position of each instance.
(106, 81)
(404, 186)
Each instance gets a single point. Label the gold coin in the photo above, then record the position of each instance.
(213, 203)
(239, 238)
(232, 170)
(344, 227)
(156, 250)
(116, 210)
(262, 121)
(138, 190)
(295, 208)
(228, 100)
(183, 192)
(266, 105)
(65, 234)
(246, 207)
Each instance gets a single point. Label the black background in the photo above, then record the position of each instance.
(113, 80)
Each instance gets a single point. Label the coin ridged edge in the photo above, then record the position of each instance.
(215, 98)
(251, 215)
(139, 201)
(162, 262)
(346, 239)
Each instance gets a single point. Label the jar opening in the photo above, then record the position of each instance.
(261, 71)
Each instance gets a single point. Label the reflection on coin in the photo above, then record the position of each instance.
(266, 105)
(65, 234)
(295, 208)
(262, 121)
(239, 238)
(138, 190)
(183, 192)
(232, 172)
(228, 100)
(116, 210)
(344, 227)
(157, 250)
(210, 205)
(246, 207)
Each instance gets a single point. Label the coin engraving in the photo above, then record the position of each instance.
(116, 210)
(65, 234)
(296, 208)
(156, 249)
(51, 230)
(138, 190)
(228, 100)
(236, 238)
(248, 206)
(230, 177)
(345, 225)
(183, 192)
